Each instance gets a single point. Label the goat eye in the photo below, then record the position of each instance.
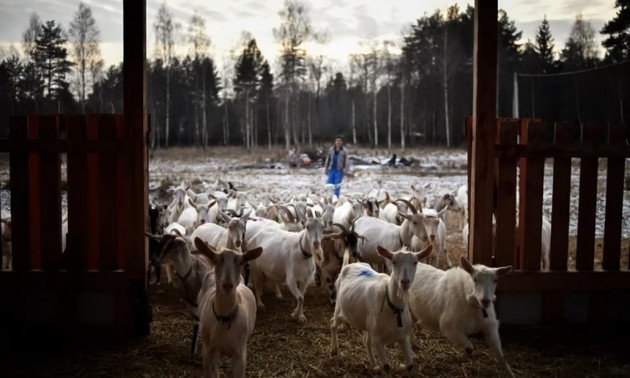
(475, 280)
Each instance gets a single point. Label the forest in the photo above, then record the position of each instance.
(417, 94)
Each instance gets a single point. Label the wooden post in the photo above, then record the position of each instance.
(587, 202)
(135, 151)
(614, 200)
(483, 135)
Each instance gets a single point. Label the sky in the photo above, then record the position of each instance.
(349, 23)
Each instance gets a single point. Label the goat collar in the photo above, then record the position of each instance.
(225, 319)
(185, 276)
(306, 254)
(397, 311)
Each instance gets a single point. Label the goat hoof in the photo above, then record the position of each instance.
(299, 317)
(261, 306)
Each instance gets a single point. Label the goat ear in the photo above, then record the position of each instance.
(384, 252)
(205, 249)
(467, 265)
(252, 254)
(190, 201)
(503, 270)
(425, 252)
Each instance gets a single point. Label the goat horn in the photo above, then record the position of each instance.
(342, 228)
(289, 214)
(411, 207)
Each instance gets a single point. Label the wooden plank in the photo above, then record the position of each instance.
(507, 133)
(107, 194)
(122, 185)
(615, 176)
(585, 245)
(570, 150)
(34, 196)
(93, 184)
(18, 173)
(77, 168)
(483, 135)
(529, 281)
(532, 172)
(561, 202)
(60, 146)
(50, 196)
(135, 200)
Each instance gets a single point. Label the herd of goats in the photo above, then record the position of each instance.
(378, 255)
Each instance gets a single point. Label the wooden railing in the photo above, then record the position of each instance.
(522, 147)
(88, 282)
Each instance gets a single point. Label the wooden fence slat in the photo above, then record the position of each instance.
(468, 126)
(108, 193)
(585, 244)
(532, 171)
(50, 196)
(614, 202)
(77, 168)
(505, 196)
(122, 182)
(561, 201)
(94, 177)
(34, 197)
(18, 173)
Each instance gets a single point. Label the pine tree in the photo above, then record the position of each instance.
(618, 29)
(51, 59)
(544, 47)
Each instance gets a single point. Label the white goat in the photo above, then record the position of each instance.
(231, 237)
(189, 217)
(227, 313)
(436, 229)
(377, 304)
(288, 258)
(180, 201)
(462, 198)
(346, 212)
(389, 235)
(190, 270)
(458, 303)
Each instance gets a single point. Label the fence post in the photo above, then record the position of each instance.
(614, 199)
(585, 244)
(561, 201)
(505, 195)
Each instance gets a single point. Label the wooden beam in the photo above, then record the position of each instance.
(531, 281)
(136, 198)
(483, 135)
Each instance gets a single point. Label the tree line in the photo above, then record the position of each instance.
(396, 93)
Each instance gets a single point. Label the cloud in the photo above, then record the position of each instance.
(367, 25)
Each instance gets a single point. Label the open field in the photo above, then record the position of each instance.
(281, 347)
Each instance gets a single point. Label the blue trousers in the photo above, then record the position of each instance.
(334, 177)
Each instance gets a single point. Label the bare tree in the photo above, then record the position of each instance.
(317, 68)
(166, 31)
(295, 29)
(86, 53)
(200, 46)
(389, 67)
(30, 34)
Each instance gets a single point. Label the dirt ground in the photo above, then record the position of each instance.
(281, 347)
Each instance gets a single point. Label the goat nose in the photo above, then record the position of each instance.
(485, 303)
(238, 243)
(227, 287)
(203, 221)
(405, 283)
(432, 237)
(316, 244)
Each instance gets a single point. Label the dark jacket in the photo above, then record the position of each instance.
(342, 159)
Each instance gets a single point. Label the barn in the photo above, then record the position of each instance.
(98, 288)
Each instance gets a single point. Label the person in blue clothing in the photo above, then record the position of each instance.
(336, 164)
